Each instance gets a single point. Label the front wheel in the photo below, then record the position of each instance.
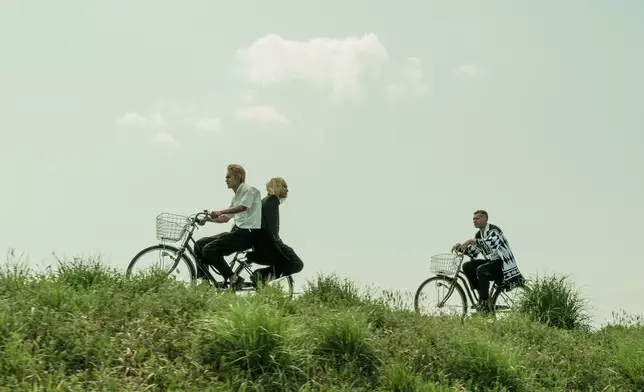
(450, 297)
(165, 258)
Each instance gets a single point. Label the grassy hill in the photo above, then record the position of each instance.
(86, 327)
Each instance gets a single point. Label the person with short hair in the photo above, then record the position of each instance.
(271, 250)
(246, 210)
(498, 264)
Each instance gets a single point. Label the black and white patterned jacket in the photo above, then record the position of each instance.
(494, 246)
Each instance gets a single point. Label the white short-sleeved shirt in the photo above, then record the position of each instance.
(250, 198)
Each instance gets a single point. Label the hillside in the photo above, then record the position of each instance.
(89, 328)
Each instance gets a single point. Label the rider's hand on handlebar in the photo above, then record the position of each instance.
(456, 247)
(215, 214)
(466, 244)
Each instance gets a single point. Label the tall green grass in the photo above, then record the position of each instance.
(87, 327)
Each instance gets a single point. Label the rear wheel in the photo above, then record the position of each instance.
(505, 301)
(163, 258)
(284, 284)
(439, 289)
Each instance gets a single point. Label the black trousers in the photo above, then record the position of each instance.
(211, 250)
(284, 262)
(480, 273)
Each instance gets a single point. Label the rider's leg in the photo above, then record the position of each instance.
(469, 270)
(225, 244)
(294, 263)
(487, 272)
(262, 275)
(199, 245)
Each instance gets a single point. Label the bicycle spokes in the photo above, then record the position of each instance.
(440, 297)
(507, 301)
(164, 261)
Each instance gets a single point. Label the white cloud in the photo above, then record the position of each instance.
(262, 114)
(469, 71)
(133, 119)
(322, 62)
(164, 138)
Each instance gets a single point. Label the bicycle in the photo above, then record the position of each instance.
(179, 228)
(447, 267)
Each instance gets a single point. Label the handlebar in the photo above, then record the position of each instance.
(457, 252)
(198, 216)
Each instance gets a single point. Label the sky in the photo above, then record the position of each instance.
(391, 122)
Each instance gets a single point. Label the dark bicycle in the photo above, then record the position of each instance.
(449, 276)
(182, 259)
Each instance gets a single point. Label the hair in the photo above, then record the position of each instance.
(275, 185)
(237, 171)
(481, 212)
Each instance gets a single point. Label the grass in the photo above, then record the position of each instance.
(87, 327)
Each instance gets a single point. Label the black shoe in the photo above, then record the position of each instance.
(483, 306)
(238, 285)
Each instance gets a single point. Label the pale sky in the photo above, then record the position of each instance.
(391, 121)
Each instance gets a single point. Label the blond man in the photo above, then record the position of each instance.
(272, 251)
(246, 211)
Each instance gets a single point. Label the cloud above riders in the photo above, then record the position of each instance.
(337, 67)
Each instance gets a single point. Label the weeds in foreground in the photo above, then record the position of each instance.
(555, 302)
(86, 327)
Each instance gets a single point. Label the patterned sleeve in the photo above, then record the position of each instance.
(472, 251)
(491, 244)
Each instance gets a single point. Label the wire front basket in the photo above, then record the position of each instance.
(171, 227)
(444, 264)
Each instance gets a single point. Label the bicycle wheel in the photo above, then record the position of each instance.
(458, 307)
(164, 258)
(285, 284)
(504, 301)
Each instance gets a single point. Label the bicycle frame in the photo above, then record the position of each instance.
(471, 294)
(187, 246)
(239, 257)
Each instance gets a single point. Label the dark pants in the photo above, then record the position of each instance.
(479, 273)
(211, 250)
(282, 261)
(279, 258)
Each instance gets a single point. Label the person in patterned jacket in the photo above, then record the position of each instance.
(498, 263)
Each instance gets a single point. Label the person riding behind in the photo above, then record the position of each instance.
(498, 264)
(271, 250)
(246, 210)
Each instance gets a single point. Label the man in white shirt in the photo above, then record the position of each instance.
(246, 210)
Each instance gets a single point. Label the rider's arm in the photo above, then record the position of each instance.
(248, 194)
(491, 244)
(472, 251)
(233, 210)
(220, 219)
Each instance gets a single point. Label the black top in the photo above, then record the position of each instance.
(271, 216)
